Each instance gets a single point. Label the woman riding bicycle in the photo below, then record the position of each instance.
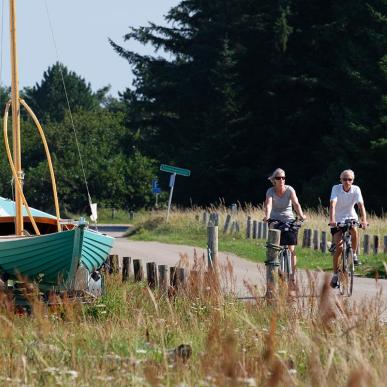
(344, 196)
(278, 206)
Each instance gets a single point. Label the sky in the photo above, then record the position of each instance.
(81, 29)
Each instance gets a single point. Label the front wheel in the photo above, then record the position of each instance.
(285, 265)
(346, 272)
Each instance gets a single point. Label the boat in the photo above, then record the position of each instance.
(55, 254)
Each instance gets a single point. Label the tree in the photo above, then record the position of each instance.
(48, 98)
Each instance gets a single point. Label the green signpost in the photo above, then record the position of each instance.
(172, 169)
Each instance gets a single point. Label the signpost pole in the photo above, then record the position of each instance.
(171, 184)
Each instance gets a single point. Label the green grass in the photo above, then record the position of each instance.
(185, 229)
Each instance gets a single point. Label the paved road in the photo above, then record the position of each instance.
(243, 271)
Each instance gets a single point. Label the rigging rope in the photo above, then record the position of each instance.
(68, 104)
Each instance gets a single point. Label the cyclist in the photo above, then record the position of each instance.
(344, 196)
(279, 203)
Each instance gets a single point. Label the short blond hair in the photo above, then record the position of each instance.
(274, 174)
(347, 172)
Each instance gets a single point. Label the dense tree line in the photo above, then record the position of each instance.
(253, 85)
(247, 86)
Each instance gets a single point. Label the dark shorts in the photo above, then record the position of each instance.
(288, 238)
(335, 230)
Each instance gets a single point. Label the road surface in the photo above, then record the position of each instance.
(241, 272)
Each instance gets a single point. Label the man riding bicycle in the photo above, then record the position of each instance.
(344, 196)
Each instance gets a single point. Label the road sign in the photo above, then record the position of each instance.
(155, 186)
(172, 180)
(172, 169)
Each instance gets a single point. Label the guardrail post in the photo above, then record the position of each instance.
(385, 244)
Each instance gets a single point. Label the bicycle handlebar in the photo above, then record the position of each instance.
(348, 222)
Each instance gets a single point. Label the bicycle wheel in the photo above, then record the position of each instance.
(285, 265)
(346, 270)
(350, 271)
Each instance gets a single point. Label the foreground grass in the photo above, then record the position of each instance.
(130, 337)
(186, 227)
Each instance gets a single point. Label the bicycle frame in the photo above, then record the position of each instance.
(346, 263)
(284, 253)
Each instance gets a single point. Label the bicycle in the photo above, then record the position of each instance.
(284, 254)
(346, 266)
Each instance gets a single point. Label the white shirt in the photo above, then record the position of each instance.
(345, 206)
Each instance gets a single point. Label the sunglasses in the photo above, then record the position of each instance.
(280, 177)
(347, 179)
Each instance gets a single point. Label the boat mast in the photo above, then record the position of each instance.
(16, 119)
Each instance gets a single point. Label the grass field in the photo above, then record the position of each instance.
(186, 227)
(195, 337)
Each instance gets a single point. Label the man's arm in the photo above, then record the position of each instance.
(332, 213)
(363, 215)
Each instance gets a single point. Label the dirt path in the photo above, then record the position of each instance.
(244, 271)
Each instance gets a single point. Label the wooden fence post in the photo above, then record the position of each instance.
(114, 264)
(212, 247)
(248, 227)
(265, 231)
(260, 227)
(172, 276)
(138, 270)
(323, 241)
(163, 277)
(366, 244)
(272, 261)
(316, 240)
(376, 244)
(126, 268)
(226, 223)
(151, 274)
(205, 218)
(255, 229)
(180, 274)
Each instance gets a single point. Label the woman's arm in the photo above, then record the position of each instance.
(268, 207)
(297, 205)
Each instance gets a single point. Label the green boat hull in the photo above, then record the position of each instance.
(52, 260)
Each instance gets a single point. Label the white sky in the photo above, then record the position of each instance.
(81, 30)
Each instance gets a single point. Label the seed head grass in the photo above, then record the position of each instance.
(195, 335)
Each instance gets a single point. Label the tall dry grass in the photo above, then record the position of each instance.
(134, 336)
